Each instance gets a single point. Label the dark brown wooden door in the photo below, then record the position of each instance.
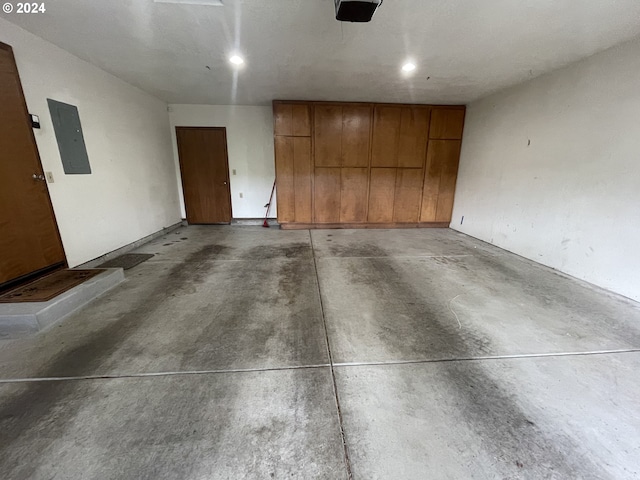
(204, 167)
(29, 238)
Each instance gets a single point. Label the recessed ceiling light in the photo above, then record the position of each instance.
(409, 67)
(236, 59)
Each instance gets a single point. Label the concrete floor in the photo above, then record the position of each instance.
(247, 353)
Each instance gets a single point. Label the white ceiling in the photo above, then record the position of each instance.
(295, 49)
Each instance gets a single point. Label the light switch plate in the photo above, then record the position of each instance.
(49, 177)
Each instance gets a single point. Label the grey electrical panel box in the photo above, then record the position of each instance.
(66, 124)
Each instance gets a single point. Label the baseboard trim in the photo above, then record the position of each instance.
(316, 226)
(254, 221)
(127, 248)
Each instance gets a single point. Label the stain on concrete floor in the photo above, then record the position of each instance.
(520, 447)
(229, 322)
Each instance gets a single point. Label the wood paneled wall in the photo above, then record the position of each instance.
(366, 165)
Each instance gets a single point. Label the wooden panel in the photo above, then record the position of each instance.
(353, 202)
(328, 135)
(386, 135)
(442, 155)
(448, 181)
(302, 178)
(204, 169)
(356, 133)
(285, 190)
(431, 187)
(327, 195)
(301, 121)
(408, 195)
(291, 119)
(29, 240)
(367, 164)
(283, 119)
(381, 195)
(414, 131)
(446, 123)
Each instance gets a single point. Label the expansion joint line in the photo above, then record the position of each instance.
(345, 449)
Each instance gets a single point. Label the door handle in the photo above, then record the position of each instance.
(224, 183)
(35, 176)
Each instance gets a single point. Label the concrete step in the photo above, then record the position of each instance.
(21, 319)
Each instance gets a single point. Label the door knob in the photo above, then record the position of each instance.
(35, 176)
(224, 183)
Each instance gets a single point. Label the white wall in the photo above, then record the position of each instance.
(250, 149)
(570, 199)
(131, 191)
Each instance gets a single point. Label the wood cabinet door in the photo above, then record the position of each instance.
(386, 135)
(328, 135)
(301, 120)
(302, 179)
(400, 136)
(448, 177)
(439, 180)
(283, 119)
(382, 190)
(354, 186)
(327, 195)
(406, 207)
(293, 179)
(446, 123)
(291, 119)
(356, 135)
(414, 131)
(285, 192)
(376, 163)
